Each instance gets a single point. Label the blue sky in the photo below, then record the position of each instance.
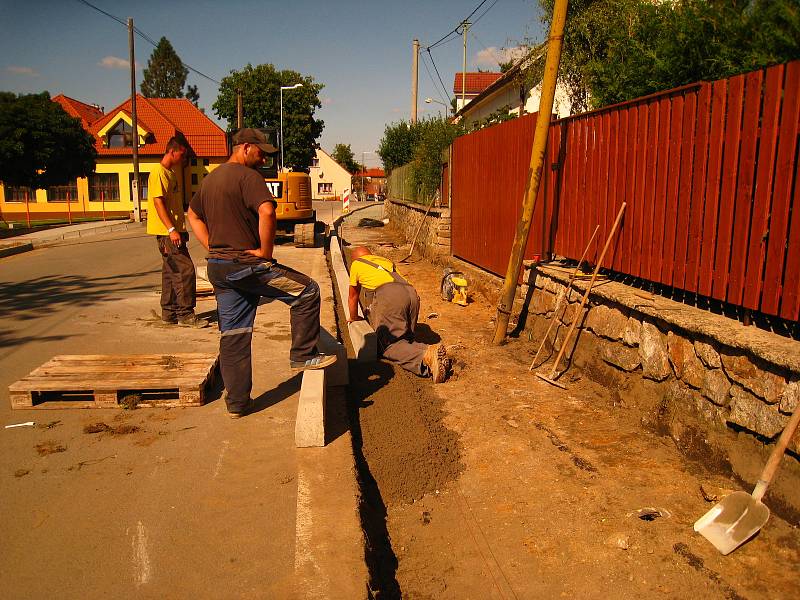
(361, 51)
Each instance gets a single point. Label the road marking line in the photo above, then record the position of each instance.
(222, 452)
(141, 559)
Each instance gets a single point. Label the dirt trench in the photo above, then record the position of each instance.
(497, 485)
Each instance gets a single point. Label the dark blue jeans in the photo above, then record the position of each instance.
(238, 288)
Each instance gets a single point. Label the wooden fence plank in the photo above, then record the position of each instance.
(781, 198)
(767, 149)
(719, 99)
(634, 212)
(790, 294)
(617, 174)
(603, 177)
(660, 203)
(696, 208)
(743, 201)
(673, 181)
(650, 187)
(730, 162)
(685, 189)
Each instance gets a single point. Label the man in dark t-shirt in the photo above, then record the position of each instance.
(233, 216)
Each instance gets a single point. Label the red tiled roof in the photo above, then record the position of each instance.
(375, 172)
(476, 82)
(164, 118)
(87, 113)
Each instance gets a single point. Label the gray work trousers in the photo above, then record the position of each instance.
(393, 315)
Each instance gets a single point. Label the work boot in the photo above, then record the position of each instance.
(240, 413)
(192, 320)
(320, 361)
(435, 358)
(165, 318)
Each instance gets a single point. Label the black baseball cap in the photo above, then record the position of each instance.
(248, 135)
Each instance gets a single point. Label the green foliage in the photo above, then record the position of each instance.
(165, 74)
(616, 50)
(398, 143)
(420, 144)
(260, 87)
(436, 135)
(343, 155)
(501, 115)
(40, 144)
(192, 95)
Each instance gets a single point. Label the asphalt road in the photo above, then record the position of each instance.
(193, 504)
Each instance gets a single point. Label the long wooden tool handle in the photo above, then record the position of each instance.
(566, 297)
(565, 343)
(777, 454)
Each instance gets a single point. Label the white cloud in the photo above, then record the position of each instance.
(22, 71)
(493, 56)
(114, 62)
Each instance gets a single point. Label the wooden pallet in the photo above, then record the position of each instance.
(112, 381)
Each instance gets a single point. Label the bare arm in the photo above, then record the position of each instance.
(352, 303)
(163, 214)
(266, 231)
(198, 228)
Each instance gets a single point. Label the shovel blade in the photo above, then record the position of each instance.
(732, 521)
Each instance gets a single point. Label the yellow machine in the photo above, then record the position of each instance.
(454, 287)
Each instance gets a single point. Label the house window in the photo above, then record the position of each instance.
(314, 162)
(121, 135)
(325, 188)
(205, 162)
(104, 187)
(16, 193)
(194, 162)
(194, 178)
(62, 193)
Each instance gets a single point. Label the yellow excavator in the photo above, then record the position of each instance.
(292, 191)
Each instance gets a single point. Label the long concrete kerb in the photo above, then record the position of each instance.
(13, 249)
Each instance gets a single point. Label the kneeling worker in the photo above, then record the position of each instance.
(393, 313)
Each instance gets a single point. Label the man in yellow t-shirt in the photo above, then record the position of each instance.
(393, 311)
(165, 220)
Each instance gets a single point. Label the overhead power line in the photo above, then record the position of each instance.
(435, 84)
(455, 29)
(145, 37)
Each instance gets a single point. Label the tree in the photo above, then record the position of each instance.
(398, 144)
(260, 87)
(343, 155)
(192, 94)
(615, 50)
(435, 137)
(40, 144)
(165, 74)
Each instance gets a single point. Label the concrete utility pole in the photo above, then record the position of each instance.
(465, 28)
(137, 199)
(239, 110)
(535, 171)
(414, 80)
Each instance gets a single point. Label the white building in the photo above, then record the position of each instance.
(329, 179)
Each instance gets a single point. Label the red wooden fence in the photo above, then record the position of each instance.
(710, 172)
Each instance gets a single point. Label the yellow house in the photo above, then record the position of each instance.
(329, 179)
(108, 191)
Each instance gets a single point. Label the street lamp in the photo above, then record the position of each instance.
(285, 87)
(429, 100)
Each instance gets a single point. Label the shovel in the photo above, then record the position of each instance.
(739, 516)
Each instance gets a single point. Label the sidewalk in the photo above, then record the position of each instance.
(184, 502)
(46, 237)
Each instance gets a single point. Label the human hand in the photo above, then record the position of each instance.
(258, 253)
(175, 238)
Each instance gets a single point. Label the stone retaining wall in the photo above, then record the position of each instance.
(720, 390)
(434, 237)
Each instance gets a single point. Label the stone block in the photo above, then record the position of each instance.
(708, 354)
(764, 384)
(633, 332)
(309, 429)
(542, 302)
(607, 322)
(687, 366)
(364, 341)
(621, 356)
(653, 353)
(337, 373)
(569, 313)
(443, 234)
(790, 398)
(716, 387)
(752, 413)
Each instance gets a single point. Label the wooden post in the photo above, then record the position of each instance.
(69, 208)
(27, 210)
(103, 202)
